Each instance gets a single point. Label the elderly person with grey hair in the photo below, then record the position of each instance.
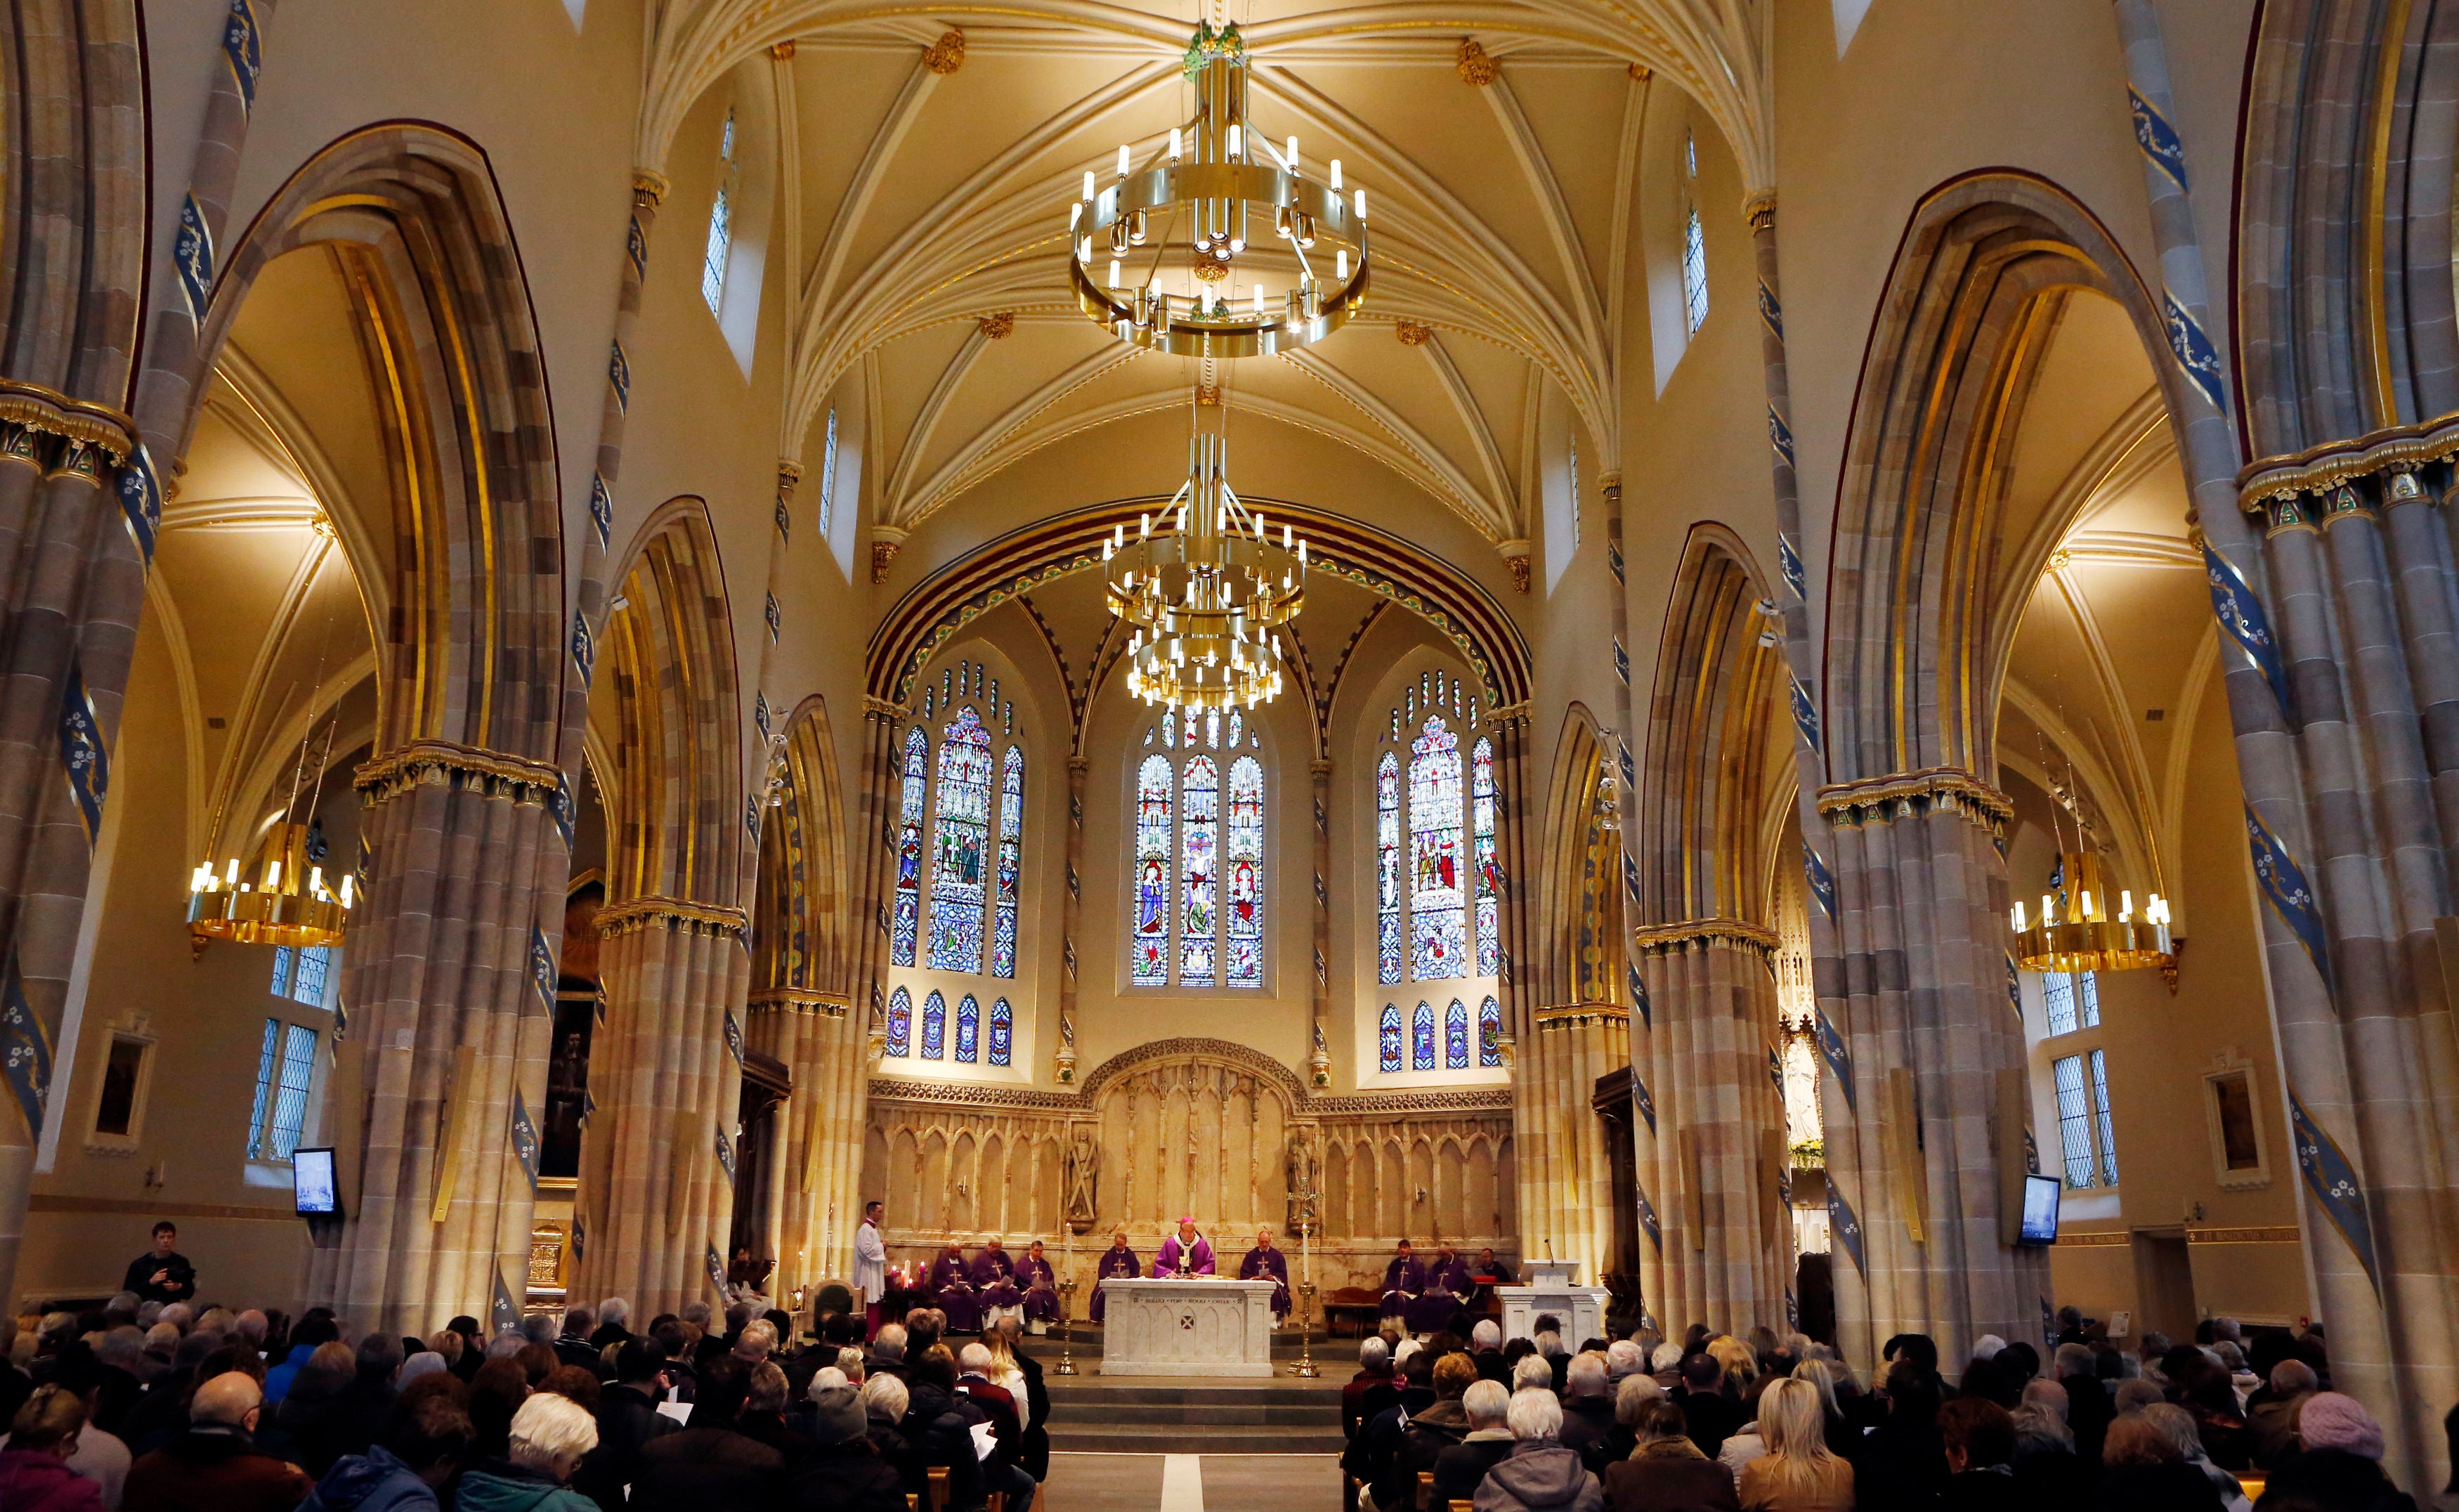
(2046, 1466)
(1372, 1391)
(2274, 1418)
(550, 1435)
(1461, 1467)
(1588, 1409)
(1631, 1394)
(1541, 1474)
(614, 1323)
(887, 1356)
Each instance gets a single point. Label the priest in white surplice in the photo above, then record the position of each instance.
(870, 1268)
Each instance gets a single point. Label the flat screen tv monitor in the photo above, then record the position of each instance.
(311, 1181)
(2040, 1210)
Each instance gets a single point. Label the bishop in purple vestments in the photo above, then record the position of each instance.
(1448, 1290)
(1264, 1263)
(994, 1275)
(1041, 1286)
(1184, 1253)
(950, 1287)
(1118, 1260)
(1402, 1280)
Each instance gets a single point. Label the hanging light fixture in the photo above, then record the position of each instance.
(1200, 207)
(2075, 930)
(1204, 586)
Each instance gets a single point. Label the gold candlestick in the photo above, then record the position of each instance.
(1306, 1332)
(1066, 1365)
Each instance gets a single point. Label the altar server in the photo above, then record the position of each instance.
(1041, 1286)
(1448, 1290)
(995, 1281)
(1118, 1260)
(950, 1289)
(870, 1267)
(1403, 1279)
(1264, 1263)
(1184, 1253)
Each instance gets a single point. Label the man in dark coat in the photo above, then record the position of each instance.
(1461, 1469)
(628, 1421)
(215, 1466)
(841, 1472)
(710, 1462)
(162, 1274)
(574, 1345)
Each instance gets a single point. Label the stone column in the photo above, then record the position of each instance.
(815, 1035)
(1071, 917)
(1319, 991)
(656, 1162)
(1521, 965)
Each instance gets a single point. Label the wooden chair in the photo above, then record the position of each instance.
(2251, 1483)
(1358, 1305)
(913, 1502)
(1426, 1490)
(1463, 1506)
(938, 1474)
(1351, 1488)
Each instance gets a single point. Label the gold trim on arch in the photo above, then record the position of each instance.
(1659, 939)
(51, 412)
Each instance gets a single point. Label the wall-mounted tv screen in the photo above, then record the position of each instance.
(311, 1181)
(2040, 1210)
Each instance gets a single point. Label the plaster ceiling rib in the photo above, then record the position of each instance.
(974, 226)
(2114, 703)
(868, 177)
(1481, 434)
(918, 435)
(788, 147)
(1554, 214)
(1634, 116)
(2188, 711)
(243, 734)
(270, 764)
(1493, 517)
(164, 608)
(976, 455)
(2105, 788)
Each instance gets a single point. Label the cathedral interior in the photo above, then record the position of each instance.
(1799, 555)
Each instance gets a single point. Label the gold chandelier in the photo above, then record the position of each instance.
(281, 899)
(1205, 587)
(1192, 208)
(2075, 933)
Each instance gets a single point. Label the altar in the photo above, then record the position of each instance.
(1198, 1327)
(1546, 1286)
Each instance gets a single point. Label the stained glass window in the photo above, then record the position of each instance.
(968, 1029)
(1199, 845)
(1246, 857)
(908, 850)
(1489, 870)
(1387, 867)
(2075, 1118)
(1003, 1033)
(1489, 1032)
(1421, 1038)
(1436, 936)
(934, 1027)
(1389, 1058)
(1456, 1036)
(1010, 857)
(963, 803)
(1148, 943)
(900, 1022)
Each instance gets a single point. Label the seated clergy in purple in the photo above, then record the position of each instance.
(1264, 1263)
(1118, 1260)
(1041, 1286)
(1448, 1290)
(1184, 1253)
(995, 1276)
(950, 1288)
(1402, 1280)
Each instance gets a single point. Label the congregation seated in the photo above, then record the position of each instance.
(1665, 1471)
(1587, 1411)
(1427, 1433)
(1540, 1473)
(1460, 1468)
(1371, 1390)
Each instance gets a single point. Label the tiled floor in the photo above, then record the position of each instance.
(1128, 1482)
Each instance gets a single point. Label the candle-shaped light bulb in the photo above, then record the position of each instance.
(230, 873)
(345, 889)
(1340, 264)
(1285, 538)
(2087, 903)
(1259, 299)
(2046, 912)
(1361, 204)
(1088, 186)
(1075, 214)
(2125, 904)
(1294, 154)
(272, 875)
(1177, 143)
(1122, 159)
(1336, 176)
(1084, 250)
(1234, 141)
(2019, 915)
(1115, 277)
(316, 880)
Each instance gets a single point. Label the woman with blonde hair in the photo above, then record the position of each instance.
(1798, 1473)
(1839, 1431)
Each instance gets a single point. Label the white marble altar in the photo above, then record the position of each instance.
(1198, 1327)
(1550, 1286)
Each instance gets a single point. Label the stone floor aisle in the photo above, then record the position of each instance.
(1185, 1482)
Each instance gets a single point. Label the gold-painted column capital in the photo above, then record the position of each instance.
(783, 51)
(1078, 765)
(1665, 939)
(799, 1001)
(1580, 1016)
(648, 188)
(50, 412)
(789, 473)
(1319, 767)
(1902, 795)
(455, 764)
(634, 914)
(1759, 208)
(880, 708)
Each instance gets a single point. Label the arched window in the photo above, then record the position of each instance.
(968, 1029)
(1011, 853)
(1184, 928)
(1456, 1036)
(964, 803)
(1489, 869)
(909, 848)
(1421, 1038)
(900, 1024)
(1387, 868)
(1388, 1060)
(1489, 1032)
(1694, 242)
(1003, 1033)
(934, 1027)
(721, 221)
(1437, 937)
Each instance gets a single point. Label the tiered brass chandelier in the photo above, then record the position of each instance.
(1204, 586)
(1196, 209)
(2075, 932)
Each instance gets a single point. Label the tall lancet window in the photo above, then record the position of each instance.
(1489, 869)
(1387, 868)
(1439, 878)
(956, 870)
(900, 1024)
(1438, 934)
(909, 850)
(1197, 892)
(1011, 855)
